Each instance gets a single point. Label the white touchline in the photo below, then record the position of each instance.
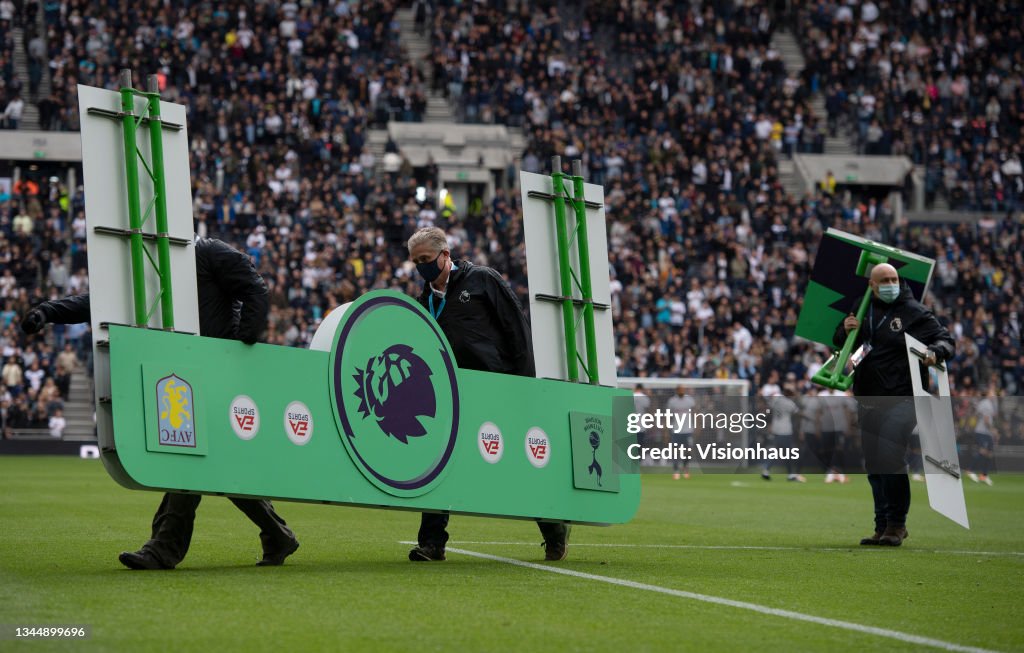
(743, 605)
(725, 547)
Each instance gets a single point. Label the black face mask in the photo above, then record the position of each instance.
(429, 270)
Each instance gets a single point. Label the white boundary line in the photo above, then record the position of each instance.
(743, 605)
(714, 547)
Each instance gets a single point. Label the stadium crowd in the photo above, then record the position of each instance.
(940, 82)
(11, 102)
(36, 263)
(681, 114)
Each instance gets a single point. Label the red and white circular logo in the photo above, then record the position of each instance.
(298, 423)
(491, 444)
(245, 417)
(538, 447)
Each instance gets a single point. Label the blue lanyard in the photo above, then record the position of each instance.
(430, 302)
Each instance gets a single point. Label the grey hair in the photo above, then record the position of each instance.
(432, 236)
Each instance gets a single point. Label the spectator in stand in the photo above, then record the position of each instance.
(13, 112)
(12, 376)
(57, 424)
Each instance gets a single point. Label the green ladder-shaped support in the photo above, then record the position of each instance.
(157, 206)
(564, 194)
(833, 373)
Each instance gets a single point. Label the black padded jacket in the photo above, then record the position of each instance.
(483, 321)
(885, 371)
(233, 298)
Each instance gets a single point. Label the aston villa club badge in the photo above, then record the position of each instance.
(174, 397)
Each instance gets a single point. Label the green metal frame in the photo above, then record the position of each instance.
(574, 195)
(157, 206)
(832, 373)
(564, 269)
(585, 286)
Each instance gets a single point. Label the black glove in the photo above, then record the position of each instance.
(33, 321)
(249, 338)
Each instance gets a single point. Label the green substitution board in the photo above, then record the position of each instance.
(385, 419)
(835, 289)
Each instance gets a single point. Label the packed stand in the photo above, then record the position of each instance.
(709, 256)
(605, 73)
(12, 104)
(36, 264)
(939, 82)
(287, 71)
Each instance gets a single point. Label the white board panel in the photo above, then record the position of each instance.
(542, 262)
(106, 205)
(938, 441)
(323, 339)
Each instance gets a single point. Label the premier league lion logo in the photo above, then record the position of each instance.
(395, 387)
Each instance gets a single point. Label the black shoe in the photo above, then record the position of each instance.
(873, 540)
(141, 559)
(427, 554)
(276, 558)
(893, 536)
(558, 549)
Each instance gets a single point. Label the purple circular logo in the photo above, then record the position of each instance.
(395, 393)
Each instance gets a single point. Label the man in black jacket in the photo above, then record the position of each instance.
(233, 304)
(883, 387)
(484, 323)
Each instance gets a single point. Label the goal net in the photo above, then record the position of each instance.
(718, 396)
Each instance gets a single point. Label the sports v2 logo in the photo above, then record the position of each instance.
(491, 447)
(245, 417)
(299, 427)
(538, 447)
(298, 423)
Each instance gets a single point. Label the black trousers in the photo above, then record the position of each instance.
(433, 531)
(825, 448)
(885, 430)
(172, 525)
(783, 443)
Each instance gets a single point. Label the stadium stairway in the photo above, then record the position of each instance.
(793, 58)
(842, 143)
(788, 177)
(30, 115)
(939, 202)
(789, 51)
(784, 43)
(79, 408)
(45, 84)
(377, 141)
(439, 110)
(417, 47)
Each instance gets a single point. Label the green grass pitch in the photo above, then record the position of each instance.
(351, 588)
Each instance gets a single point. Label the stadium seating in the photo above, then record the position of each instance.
(682, 115)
